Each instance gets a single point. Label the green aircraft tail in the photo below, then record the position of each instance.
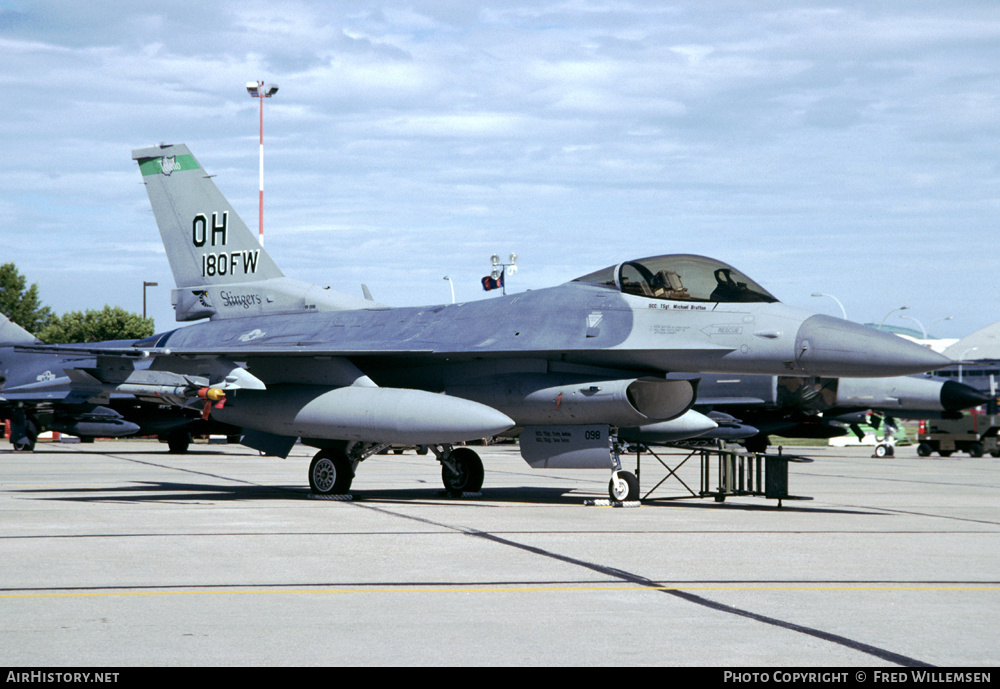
(206, 241)
(219, 266)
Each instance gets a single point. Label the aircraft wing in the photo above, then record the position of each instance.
(323, 349)
(75, 388)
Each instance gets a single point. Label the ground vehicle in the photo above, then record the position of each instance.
(974, 433)
(883, 433)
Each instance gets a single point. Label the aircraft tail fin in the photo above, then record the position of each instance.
(13, 334)
(219, 266)
(206, 241)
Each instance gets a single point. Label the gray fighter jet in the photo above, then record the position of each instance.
(797, 407)
(563, 367)
(37, 394)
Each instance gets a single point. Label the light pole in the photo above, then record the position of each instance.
(922, 328)
(144, 286)
(843, 313)
(258, 89)
(452, 285)
(946, 318)
(901, 308)
(961, 359)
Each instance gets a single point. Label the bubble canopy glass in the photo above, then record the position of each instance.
(681, 277)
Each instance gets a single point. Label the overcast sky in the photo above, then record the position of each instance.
(848, 148)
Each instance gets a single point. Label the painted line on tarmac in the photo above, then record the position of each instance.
(458, 588)
(868, 649)
(880, 653)
(638, 581)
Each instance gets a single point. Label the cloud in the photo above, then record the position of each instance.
(849, 148)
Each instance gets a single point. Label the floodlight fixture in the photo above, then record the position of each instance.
(258, 89)
(499, 268)
(901, 308)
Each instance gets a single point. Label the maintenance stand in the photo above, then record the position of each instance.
(738, 473)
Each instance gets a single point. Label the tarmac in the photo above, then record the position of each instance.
(118, 554)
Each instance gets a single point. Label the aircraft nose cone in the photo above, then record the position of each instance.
(956, 396)
(827, 346)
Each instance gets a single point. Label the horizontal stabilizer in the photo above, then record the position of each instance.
(12, 334)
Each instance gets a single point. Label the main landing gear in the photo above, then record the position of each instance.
(461, 470)
(23, 431)
(333, 468)
(331, 472)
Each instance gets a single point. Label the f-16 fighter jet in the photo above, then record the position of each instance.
(564, 367)
(797, 407)
(37, 394)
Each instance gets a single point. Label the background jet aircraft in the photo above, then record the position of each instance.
(562, 366)
(800, 407)
(36, 395)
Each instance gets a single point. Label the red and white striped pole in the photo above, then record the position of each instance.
(260, 213)
(260, 90)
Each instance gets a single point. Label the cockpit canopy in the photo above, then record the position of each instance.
(681, 277)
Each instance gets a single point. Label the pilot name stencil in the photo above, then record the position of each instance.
(677, 307)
